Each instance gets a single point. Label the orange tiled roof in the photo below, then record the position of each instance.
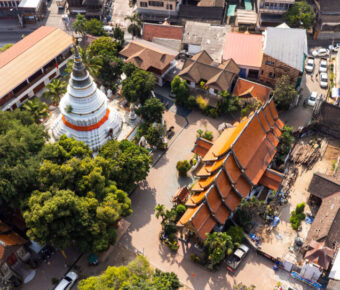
(240, 156)
(245, 88)
(202, 146)
(271, 179)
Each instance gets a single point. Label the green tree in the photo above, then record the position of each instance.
(21, 140)
(284, 93)
(129, 68)
(138, 87)
(253, 206)
(79, 25)
(286, 142)
(152, 110)
(95, 27)
(160, 211)
(127, 162)
(135, 26)
(180, 89)
(300, 14)
(136, 275)
(227, 103)
(38, 109)
(217, 246)
(118, 35)
(62, 217)
(6, 46)
(55, 89)
(236, 234)
(297, 216)
(103, 46)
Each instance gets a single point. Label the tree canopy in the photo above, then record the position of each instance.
(138, 86)
(21, 140)
(55, 89)
(152, 110)
(95, 27)
(127, 162)
(38, 109)
(284, 93)
(135, 26)
(180, 89)
(94, 204)
(79, 25)
(136, 275)
(104, 46)
(300, 14)
(227, 103)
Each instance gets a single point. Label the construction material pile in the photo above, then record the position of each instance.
(308, 152)
(290, 178)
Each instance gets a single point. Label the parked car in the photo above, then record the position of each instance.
(320, 52)
(235, 259)
(310, 64)
(324, 80)
(312, 99)
(67, 282)
(323, 65)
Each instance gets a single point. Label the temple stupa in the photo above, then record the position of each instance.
(84, 110)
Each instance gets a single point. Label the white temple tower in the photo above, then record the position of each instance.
(84, 111)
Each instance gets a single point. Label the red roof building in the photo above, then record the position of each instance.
(247, 91)
(151, 31)
(236, 162)
(246, 50)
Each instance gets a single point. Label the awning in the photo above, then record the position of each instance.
(231, 10)
(247, 5)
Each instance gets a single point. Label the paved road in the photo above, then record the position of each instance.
(10, 37)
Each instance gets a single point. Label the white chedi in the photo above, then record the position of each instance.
(84, 110)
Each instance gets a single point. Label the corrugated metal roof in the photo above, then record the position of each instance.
(288, 45)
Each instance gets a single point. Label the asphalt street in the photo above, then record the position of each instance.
(11, 36)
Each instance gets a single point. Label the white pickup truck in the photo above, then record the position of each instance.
(235, 259)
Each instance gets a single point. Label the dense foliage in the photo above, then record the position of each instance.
(300, 14)
(95, 27)
(180, 89)
(38, 109)
(218, 245)
(77, 199)
(183, 167)
(135, 26)
(54, 90)
(127, 162)
(21, 139)
(136, 275)
(138, 87)
(284, 93)
(227, 103)
(152, 110)
(286, 142)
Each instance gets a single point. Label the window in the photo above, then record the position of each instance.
(156, 3)
(169, 6)
(272, 75)
(268, 62)
(143, 4)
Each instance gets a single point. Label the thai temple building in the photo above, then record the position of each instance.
(84, 110)
(233, 165)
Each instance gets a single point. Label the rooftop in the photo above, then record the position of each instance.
(151, 31)
(236, 161)
(245, 89)
(202, 67)
(209, 37)
(28, 55)
(147, 55)
(244, 48)
(323, 185)
(288, 45)
(29, 4)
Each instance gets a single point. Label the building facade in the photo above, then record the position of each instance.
(29, 65)
(270, 11)
(8, 7)
(84, 113)
(158, 10)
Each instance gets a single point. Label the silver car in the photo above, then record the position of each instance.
(324, 80)
(323, 65)
(67, 282)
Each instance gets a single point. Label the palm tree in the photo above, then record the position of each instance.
(160, 211)
(55, 89)
(79, 25)
(135, 26)
(38, 109)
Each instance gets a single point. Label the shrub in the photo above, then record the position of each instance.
(208, 135)
(195, 258)
(202, 103)
(191, 103)
(297, 216)
(173, 245)
(183, 167)
(180, 209)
